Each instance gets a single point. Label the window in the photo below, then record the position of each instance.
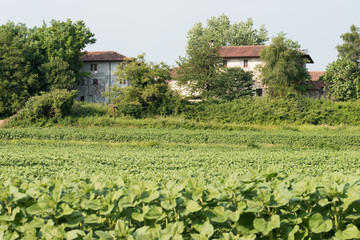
(246, 63)
(82, 82)
(96, 81)
(225, 63)
(93, 67)
(258, 92)
(82, 98)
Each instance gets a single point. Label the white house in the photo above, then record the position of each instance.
(248, 57)
(101, 66)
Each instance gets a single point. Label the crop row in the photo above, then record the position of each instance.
(292, 138)
(162, 161)
(271, 206)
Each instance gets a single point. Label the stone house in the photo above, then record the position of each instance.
(101, 66)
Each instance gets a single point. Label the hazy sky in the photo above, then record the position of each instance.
(158, 28)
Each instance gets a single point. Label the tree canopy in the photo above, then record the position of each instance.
(221, 31)
(283, 70)
(202, 64)
(148, 91)
(39, 59)
(342, 77)
(351, 46)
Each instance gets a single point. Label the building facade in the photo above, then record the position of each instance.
(101, 67)
(247, 58)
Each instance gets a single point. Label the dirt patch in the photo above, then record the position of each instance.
(3, 122)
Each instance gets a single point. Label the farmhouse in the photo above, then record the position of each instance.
(101, 66)
(248, 57)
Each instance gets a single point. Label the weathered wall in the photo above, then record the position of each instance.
(91, 90)
(252, 63)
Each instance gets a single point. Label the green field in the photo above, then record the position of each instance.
(159, 154)
(130, 183)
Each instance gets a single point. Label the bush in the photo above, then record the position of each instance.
(55, 104)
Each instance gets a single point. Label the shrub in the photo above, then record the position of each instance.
(55, 104)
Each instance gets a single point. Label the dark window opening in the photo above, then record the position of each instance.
(82, 98)
(96, 81)
(93, 67)
(225, 63)
(246, 63)
(258, 92)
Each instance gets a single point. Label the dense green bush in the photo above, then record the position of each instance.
(52, 105)
(261, 206)
(213, 114)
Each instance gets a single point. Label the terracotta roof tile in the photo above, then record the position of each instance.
(314, 79)
(241, 51)
(315, 75)
(247, 51)
(103, 56)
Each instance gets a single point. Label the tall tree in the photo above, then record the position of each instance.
(62, 44)
(16, 79)
(351, 46)
(220, 30)
(39, 59)
(342, 80)
(148, 90)
(203, 62)
(283, 70)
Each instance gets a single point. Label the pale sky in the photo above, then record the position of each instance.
(158, 28)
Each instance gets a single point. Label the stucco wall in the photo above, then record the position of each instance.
(87, 87)
(252, 63)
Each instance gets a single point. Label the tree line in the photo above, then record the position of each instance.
(39, 59)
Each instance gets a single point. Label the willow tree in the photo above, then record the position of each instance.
(283, 71)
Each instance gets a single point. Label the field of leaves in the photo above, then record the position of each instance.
(114, 183)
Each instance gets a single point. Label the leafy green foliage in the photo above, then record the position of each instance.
(343, 75)
(221, 31)
(239, 208)
(39, 59)
(343, 80)
(17, 81)
(148, 91)
(351, 46)
(54, 104)
(230, 84)
(191, 190)
(283, 71)
(202, 66)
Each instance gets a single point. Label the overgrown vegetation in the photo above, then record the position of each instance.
(51, 106)
(39, 59)
(148, 93)
(237, 114)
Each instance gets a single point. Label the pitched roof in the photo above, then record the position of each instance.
(314, 79)
(241, 51)
(247, 51)
(315, 75)
(103, 56)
